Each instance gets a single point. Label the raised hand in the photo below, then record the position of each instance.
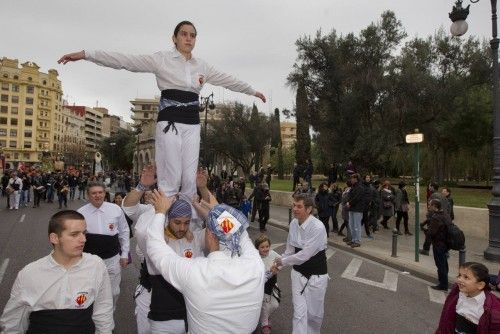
(75, 56)
(260, 96)
(148, 176)
(161, 202)
(201, 178)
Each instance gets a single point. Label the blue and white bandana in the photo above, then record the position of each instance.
(227, 223)
(180, 209)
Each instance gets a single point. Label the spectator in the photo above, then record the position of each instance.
(387, 196)
(402, 205)
(264, 200)
(336, 194)
(324, 204)
(446, 192)
(308, 172)
(332, 174)
(296, 175)
(356, 205)
(438, 226)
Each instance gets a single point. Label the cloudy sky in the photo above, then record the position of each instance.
(253, 39)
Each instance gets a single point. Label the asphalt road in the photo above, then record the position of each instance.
(362, 296)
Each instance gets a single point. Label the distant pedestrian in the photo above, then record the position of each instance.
(446, 192)
(438, 227)
(356, 205)
(387, 197)
(402, 204)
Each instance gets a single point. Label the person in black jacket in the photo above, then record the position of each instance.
(324, 204)
(264, 198)
(296, 176)
(438, 230)
(336, 194)
(367, 198)
(332, 174)
(356, 205)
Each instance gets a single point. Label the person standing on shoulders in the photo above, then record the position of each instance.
(306, 253)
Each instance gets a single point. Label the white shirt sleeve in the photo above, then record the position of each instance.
(217, 78)
(103, 303)
(312, 246)
(116, 60)
(173, 268)
(123, 235)
(16, 313)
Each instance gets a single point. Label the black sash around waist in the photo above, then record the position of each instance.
(464, 326)
(104, 246)
(316, 265)
(74, 321)
(269, 285)
(185, 114)
(167, 303)
(144, 278)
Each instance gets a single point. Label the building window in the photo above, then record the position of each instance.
(12, 144)
(30, 79)
(14, 99)
(3, 143)
(5, 86)
(27, 144)
(15, 88)
(16, 77)
(28, 111)
(14, 110)
(28, 134)
(4, 109)
(13, 121)
(29, 100)
(3, 120)
(3, 133)
(5, 75)
(146, 115)
(5, 98)
(28, 122)
(16, 155)
(27, 155)
(13, 132)
(30, 89)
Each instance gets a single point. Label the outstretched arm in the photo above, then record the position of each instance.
(75, 56)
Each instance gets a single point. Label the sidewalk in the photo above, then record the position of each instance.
(379, 249)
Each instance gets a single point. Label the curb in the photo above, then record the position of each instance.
(387, 262)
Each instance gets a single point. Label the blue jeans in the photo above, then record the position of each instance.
(441, 262)
(355, 226)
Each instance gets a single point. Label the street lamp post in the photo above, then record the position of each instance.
(458, 28)
(205, 104)
(138, 131)
(112, 144)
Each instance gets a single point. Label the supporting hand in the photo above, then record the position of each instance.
(161, 202)
(148, 176)
(260, 96)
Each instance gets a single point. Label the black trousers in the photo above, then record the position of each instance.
(255, 208)
(335, 221)
(402, 215)
(325, 220)
(441, 262)
(36, 198)
(427, 243)
(263, 216)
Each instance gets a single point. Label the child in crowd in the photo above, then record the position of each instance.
(272, 293)
(471, 307)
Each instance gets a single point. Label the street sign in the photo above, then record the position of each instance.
(414, 138)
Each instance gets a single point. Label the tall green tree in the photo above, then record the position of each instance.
(120, 155)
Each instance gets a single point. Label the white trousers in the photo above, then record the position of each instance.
(115, 276)
(168, 327)
(14, 199)
(142, 302)
(308, 307)
(176, 157)
(269, 305)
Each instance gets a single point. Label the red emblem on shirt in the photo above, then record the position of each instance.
(111, 227)
(188, 253)
(81, 298)
(201, 79)
(226, 225)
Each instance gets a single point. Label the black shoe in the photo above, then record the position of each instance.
(399, 233)
(341, 234)
(346, 239)
(439, 288)
(354, 245)
(408, 233)
(349, 243)
(424, 252)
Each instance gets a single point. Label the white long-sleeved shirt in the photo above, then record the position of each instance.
(171, 69)
(108, 219)
(223, 294)
(144, 214)
(471, 308)
(46, 285)
(310, 237)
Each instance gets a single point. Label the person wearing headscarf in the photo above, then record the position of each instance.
(224, 291)
(160, 307)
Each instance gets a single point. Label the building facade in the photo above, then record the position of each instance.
(145, 112)
(288, 134)
(30, 112)
(72, 144)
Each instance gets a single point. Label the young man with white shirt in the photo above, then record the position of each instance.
(67, 291)
(224, 291)
(180, 77)
(160, 307)
(306, 252)
(108, 234)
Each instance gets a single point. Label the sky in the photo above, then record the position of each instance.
(253, 40)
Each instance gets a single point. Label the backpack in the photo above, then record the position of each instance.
(455, 238)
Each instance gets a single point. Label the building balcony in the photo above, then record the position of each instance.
(40, 106)
(43, 139)
(40, 116)
(43, 128)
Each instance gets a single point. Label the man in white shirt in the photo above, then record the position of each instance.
(15, 184)
(305, 251)
(155, 298)
(224, 291)
(107, 234)
(180, 77)
(67, 291)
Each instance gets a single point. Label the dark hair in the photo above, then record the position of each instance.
(435, 202)
(96, 184)
(447, 189)
(122, 194)
(56, 222)
(355, 176)
(261, 239)
(305, 198)
(183, 23)
(479, 270)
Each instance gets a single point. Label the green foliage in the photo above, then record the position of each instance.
(363, 93)
(121, 154)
